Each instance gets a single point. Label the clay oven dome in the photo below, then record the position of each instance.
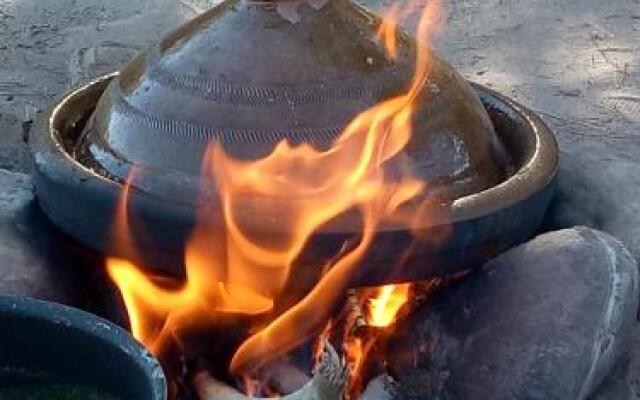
(251, 74)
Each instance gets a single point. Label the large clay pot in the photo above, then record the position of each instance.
(248, 75)
(244, 75)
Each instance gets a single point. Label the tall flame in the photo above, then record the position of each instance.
(232, 269)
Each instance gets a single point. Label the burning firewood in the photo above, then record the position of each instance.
(328, 383)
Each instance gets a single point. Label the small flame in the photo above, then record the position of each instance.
(357, 352)
(388, 30)
(387, 33)
(324, 337)
(231, 269)
(384, 308)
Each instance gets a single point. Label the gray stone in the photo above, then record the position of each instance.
(600, 191)
(35, 259)
(86, 63)
(624, 382)
(14, 152)
(546, 320)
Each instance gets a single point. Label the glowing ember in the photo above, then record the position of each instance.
(231, 269)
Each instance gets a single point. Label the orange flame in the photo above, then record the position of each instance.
(357, 352)
(147, 301)
(384, 308)
(388, 30)
(382, 312)
(232, 269)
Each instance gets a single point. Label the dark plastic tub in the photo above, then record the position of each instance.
(48, 343)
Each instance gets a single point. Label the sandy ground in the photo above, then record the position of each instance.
(577, 62)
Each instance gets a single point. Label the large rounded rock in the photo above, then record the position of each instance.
(546, 320)
(35, 259)
(599, 189)
(624, 382)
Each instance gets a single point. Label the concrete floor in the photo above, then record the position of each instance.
(577, 62)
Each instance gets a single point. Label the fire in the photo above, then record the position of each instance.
(387, 31)
(148, 301)
(357, 351)
(384, 308)
(232, 269)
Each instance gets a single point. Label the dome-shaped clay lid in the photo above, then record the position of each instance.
(251, 74)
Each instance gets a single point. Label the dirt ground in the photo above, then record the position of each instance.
(576, 62)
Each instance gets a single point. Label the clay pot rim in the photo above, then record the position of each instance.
(83, 203)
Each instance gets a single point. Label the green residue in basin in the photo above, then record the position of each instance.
(53, 392)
